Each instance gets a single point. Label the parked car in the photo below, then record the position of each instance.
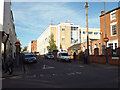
(49, 56)
(63, 56)
(30, 58)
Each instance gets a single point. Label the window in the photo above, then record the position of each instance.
(113, 15)
(115, 45)
(95, 33)
(90, 49)
(63, 38)
(74, 28)
(80, 32)
(113, 28)
(90, 32)
(63, 29)
(114, 32)
(110, 45)
(84, 32)
(96, 46)
(85, 40)
(84, 48)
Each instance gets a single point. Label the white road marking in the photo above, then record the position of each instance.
(81, 66)
(70, 73)
(74, 73)
(47, 67)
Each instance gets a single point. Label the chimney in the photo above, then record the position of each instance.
(102, 12)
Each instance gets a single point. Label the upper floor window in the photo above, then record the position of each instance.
(84, 32)
(113, 29)
(63, 38)
(90, 32)
(95, 33)
(113, 15)
(63, 29)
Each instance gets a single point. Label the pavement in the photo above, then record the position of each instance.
(97, 65)
(16, 72)
(17, 69)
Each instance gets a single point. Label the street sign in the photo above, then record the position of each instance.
(17, 44)
(106, 39)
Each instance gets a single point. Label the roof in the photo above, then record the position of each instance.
(110, 11)
(75, 46)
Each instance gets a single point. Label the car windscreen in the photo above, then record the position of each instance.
(64, 54)
(29, 56)
(49, 54)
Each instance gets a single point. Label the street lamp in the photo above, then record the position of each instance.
(105, 35)
(86, 6)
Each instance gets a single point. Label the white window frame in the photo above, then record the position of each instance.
(63, 37)
(84, 48)
(115, 23)
(111, 15)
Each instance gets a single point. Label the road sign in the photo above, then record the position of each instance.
(17, 44)
(106, 39)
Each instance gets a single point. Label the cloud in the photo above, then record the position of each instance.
(34, 18)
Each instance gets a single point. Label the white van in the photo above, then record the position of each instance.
(63, 56)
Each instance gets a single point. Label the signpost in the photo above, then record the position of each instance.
(106, 39)
(17, 44)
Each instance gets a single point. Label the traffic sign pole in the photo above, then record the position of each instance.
(106, 39)
(106, 54)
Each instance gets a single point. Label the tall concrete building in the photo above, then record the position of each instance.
(94, 34)
(65, 35)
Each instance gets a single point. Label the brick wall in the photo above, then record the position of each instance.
(102, 58)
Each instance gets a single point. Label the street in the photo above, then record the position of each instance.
(48, 73)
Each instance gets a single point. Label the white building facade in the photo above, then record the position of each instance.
(65, 35)
(7, 31)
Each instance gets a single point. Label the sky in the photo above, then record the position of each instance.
(32, 18)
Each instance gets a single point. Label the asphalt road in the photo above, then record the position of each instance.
(49, 73)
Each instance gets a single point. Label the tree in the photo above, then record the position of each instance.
(25, 48)
(52, 46)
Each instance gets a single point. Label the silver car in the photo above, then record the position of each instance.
(29, 58)
(49, 56)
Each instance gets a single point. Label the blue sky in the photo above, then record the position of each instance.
(32, 18)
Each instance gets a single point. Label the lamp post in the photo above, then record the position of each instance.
(105, 35)
(86, 6)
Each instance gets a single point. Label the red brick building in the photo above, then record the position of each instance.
(112, 28)
(34, 46)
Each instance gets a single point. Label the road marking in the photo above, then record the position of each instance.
(47, 67)
(81, 66)
(78, 72)
(74, 73)
(70, 73)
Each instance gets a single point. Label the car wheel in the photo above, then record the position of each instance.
(35, 61)
(70, 61)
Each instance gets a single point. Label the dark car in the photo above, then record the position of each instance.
(30, 58)
(49, 56)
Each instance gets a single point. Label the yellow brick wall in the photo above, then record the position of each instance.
(67, 35)
(53, 31)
